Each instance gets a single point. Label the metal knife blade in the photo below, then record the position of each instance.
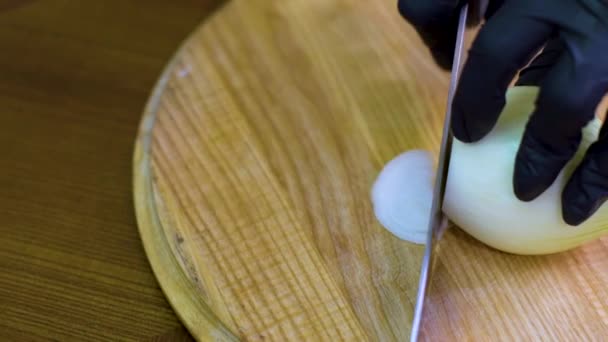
(438, 221)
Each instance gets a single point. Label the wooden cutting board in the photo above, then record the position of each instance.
(253, 170)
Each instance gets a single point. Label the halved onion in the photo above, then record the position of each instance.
(479, 194)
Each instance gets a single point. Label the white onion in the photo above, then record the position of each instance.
(402, 195)
(479, 194)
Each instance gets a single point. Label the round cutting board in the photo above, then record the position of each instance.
(253, 169)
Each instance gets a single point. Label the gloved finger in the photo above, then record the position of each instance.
(493, 7)
(587, 189)
(535, 72)
(436, 22)
(569, 95)
(504, 45)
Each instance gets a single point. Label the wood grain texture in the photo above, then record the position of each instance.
(252, 173)
(74, 78)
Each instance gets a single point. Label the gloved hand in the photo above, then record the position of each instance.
(572, 72)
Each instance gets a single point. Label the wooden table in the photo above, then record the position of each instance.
(74, 77)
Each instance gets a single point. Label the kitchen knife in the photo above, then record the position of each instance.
(438, 222)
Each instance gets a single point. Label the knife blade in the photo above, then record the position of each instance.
(437, 221)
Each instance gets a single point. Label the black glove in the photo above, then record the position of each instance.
(572, 72)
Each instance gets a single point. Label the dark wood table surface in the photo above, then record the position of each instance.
(74, 78)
